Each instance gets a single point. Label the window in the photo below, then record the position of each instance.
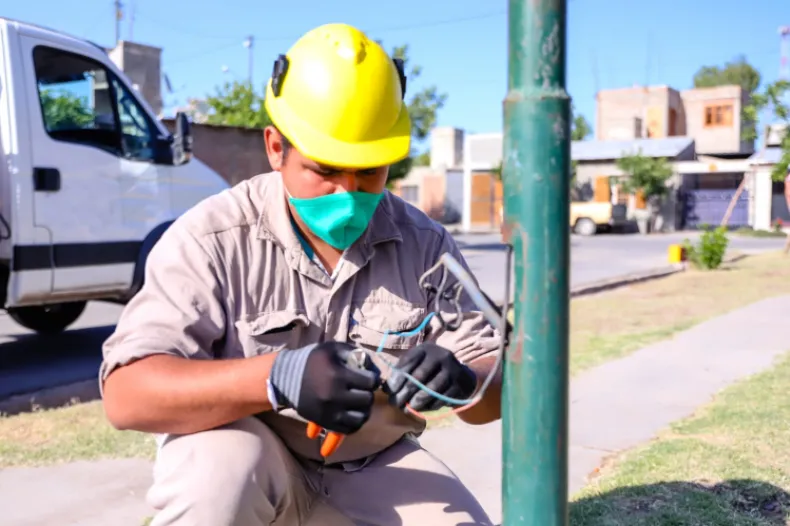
(137, 133)
(82, 102)
(410, 193)
(718, 115)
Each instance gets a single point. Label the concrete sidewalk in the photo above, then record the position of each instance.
(625, 402)
(613, 407)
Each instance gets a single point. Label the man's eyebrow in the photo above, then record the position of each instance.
(335, 169)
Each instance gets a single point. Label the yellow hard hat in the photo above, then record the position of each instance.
(337, 96)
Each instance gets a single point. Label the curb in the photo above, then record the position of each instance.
(628, 279)
(51, 397)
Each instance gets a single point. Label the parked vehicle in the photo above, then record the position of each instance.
(587, 218)
(89, 178)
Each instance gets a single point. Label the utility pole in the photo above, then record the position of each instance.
(118, 17)
(131, 22)
(536, 179)
(249, 45)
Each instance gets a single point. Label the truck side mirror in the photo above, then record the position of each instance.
(182, 140)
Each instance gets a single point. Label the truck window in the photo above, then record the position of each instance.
(76, 99)
(137, 132)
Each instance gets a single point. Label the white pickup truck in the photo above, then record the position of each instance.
(89, 178)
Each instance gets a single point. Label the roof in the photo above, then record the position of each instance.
(669, 147)
(771, 155)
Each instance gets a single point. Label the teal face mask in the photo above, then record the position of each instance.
(337, 219)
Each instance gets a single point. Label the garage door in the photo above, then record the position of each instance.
(707, 207)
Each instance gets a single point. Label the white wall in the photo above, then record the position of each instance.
(763, 198)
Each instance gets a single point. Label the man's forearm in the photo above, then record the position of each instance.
(489, 408)
(169, 394)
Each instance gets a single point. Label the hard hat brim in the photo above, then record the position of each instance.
(323, 149)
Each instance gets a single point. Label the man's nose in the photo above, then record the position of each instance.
(347, 182)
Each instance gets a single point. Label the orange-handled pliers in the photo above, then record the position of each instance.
(332, 440)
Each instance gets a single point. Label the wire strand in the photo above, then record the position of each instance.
(498, 320)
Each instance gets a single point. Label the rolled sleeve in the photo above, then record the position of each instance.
(178, 310)
(476, 338)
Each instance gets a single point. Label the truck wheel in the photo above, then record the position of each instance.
(585, 227)
(47, 319)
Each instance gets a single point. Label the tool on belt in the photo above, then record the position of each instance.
(331, 440)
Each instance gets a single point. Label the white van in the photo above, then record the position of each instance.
(89, 178)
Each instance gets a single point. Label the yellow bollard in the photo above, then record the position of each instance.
(676, 254)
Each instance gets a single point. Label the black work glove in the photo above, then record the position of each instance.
(436, 368)
(323, 384)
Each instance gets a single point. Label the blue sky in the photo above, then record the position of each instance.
(462, 49)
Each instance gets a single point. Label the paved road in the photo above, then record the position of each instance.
(29, 362)
(593, 258)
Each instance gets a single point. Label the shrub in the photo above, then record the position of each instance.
(708, 253)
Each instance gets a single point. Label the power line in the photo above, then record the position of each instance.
(201, 54)
(386, 29)
(183, 29)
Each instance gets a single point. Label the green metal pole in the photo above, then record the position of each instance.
(536, 177)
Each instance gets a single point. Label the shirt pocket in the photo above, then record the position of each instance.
(272, 332)
(374, 326)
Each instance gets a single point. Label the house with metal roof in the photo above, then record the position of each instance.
(461, 182)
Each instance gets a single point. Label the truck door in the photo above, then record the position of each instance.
(87, 175)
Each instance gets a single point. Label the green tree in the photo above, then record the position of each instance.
(736, 72)
(580, 130)
(648, 176)
(237, 104)
(424, 105)
(580, 127)
(772, 100)
(64, 110)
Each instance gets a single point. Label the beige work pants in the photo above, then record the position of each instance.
(242, 475)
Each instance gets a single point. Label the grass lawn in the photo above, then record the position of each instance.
(729, 465)
(603, 327)
(750, 232)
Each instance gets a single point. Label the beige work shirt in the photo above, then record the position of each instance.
(230, 279)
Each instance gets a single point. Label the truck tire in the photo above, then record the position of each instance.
(585, 227)
(47, 319)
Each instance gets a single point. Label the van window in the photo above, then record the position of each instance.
(76, 99)
(137, 132)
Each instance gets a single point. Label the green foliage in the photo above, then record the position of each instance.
(237, 104)
(580, 128)
(736, 72)
(648, 175)
(63, 110)
(709, 251)
(772, 99)
(423, 106)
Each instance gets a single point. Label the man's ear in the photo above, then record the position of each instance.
(274, 147)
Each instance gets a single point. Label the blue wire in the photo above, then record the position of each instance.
(419, 329)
